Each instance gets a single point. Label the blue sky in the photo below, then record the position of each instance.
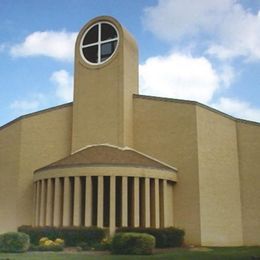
(202, 50)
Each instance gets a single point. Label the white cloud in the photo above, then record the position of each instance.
(227, 75)
(228, 29)
(239, 35)
(28, 105)
(186, 77)
(57, 45)
(174, 19)
(64, 85)
(238, 108)
(179, 76)
(63, 92)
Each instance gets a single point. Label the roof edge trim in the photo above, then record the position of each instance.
(35, 113)
(126, 148)
(100, 165)
(192, 102)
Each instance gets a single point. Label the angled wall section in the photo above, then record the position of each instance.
(10, 137)
(26, 144)
(219, 184)
(45, 137)
(249, 166)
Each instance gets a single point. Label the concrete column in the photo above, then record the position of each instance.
(165, 204)
(34, 204)
(42, 204)
(88, 202)
(77, 202)
(112, 208)
(156, 203)
(124, 201)
(49, 201)
(37, 203)
(100, 206)
(66, 221)
(147, 209)
(136, 222)
(57, 203)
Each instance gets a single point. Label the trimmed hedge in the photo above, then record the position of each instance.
(164, 237)
(132, 244)
(14, 242)
(71, 235)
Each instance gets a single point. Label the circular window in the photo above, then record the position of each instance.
(99, 43)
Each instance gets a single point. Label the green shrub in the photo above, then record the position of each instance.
(174, 237)
(164, 237)
(104, 245)
(85, 246)
(54, 248)
(71, 235)
(14, 242)
(132, 244)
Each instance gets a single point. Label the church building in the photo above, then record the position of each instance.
(113, 158)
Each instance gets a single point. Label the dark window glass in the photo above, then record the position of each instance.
(91, 36)
(107, 49)
(91, 53)
(107, 32)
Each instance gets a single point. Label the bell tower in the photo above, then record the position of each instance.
(105, 79)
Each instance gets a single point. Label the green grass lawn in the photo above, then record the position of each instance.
(180, 253)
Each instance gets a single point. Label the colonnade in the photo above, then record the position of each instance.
(103, 201)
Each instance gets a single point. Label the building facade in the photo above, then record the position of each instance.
(115, 158)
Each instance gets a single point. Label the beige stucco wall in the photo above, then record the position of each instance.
(220, 205)
(9, 171)
(167, 131)
(102, 111)
(30, 143)
(249, 163)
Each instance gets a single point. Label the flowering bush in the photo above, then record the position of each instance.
(46, 244)
(59, 241)
(43, 240)
(49, 243)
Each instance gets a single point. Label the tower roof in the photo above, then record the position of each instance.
(105, 154)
